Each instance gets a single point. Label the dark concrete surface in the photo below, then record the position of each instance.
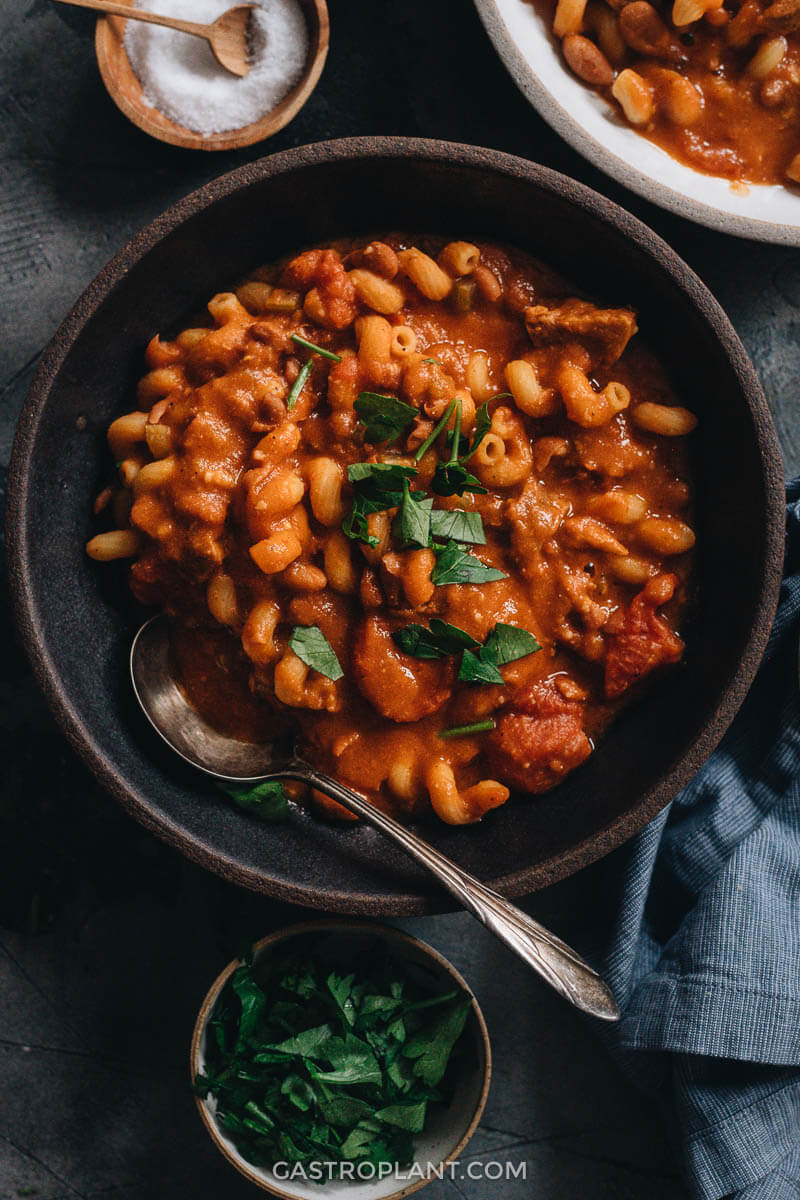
(108, 939)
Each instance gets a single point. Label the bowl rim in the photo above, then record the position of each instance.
(620, 169)
(593, 205)
(390, 933)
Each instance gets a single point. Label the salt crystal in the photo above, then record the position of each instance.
(182, 79)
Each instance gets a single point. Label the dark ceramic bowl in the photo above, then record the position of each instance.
(77, 621)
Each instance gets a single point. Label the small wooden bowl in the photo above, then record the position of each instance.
(452, 1127)
(125, 90)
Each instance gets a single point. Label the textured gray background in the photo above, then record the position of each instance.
(108, 939)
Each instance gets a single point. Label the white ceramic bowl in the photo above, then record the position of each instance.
(585, 120)
(450, 1128)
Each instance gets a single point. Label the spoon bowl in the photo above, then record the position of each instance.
(125, 90)
(229, 38)
(181, 726)
(184, 730)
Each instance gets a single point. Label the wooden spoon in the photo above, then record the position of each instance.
(227, 36)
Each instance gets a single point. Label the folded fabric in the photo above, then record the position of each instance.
(698, 933)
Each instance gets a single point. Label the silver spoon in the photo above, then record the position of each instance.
(184, 730)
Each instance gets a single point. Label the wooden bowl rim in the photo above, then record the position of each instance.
(375, 929)
(108, 42)
(592, 205)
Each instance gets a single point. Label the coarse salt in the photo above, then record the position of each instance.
(182, 79)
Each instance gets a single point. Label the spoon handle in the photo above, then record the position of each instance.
(551, 958)
(139, 14)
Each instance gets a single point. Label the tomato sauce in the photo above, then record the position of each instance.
(244, 530)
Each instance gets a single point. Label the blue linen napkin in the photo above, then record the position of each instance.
(703, 953)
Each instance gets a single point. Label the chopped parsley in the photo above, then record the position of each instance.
(376, 487)
(385, 417)
(435, 642)
(479, 663)
(457, 525)
(412, 524)
(452, 478)
(475, 668)
(483, 423)
(307, 367)
(465, 730)
(301, 341)
(312, 1061)
(434, 433)
(505, 644)
(299, 383)
(265, 800)
(313, 648)
(454, 564)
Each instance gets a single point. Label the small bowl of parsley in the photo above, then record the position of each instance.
(344, 1057)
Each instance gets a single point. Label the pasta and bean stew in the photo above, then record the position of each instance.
(419, 504)
(715, 83)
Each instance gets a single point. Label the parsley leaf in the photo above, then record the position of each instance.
(345, 1110)
(407, 1116)
(300, 1092)
(252, 1000)
(313, 648)
(452, 479)
(465, 730)
(385, 417)
(340, 987)
(431, 1047)
(454, 564)
(437, 429)
(441, 639)
(483, 423)
(458, 525)
(385, 476)
(355, 524)
(508, 642)
(412, 524)
(479, 668)
(310, 1043)
(356, 1143)
(299, 383)
(479, 663)
(301, 341)
(505, 644)
(351, 1061)
(265, 800)
(376, 487)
